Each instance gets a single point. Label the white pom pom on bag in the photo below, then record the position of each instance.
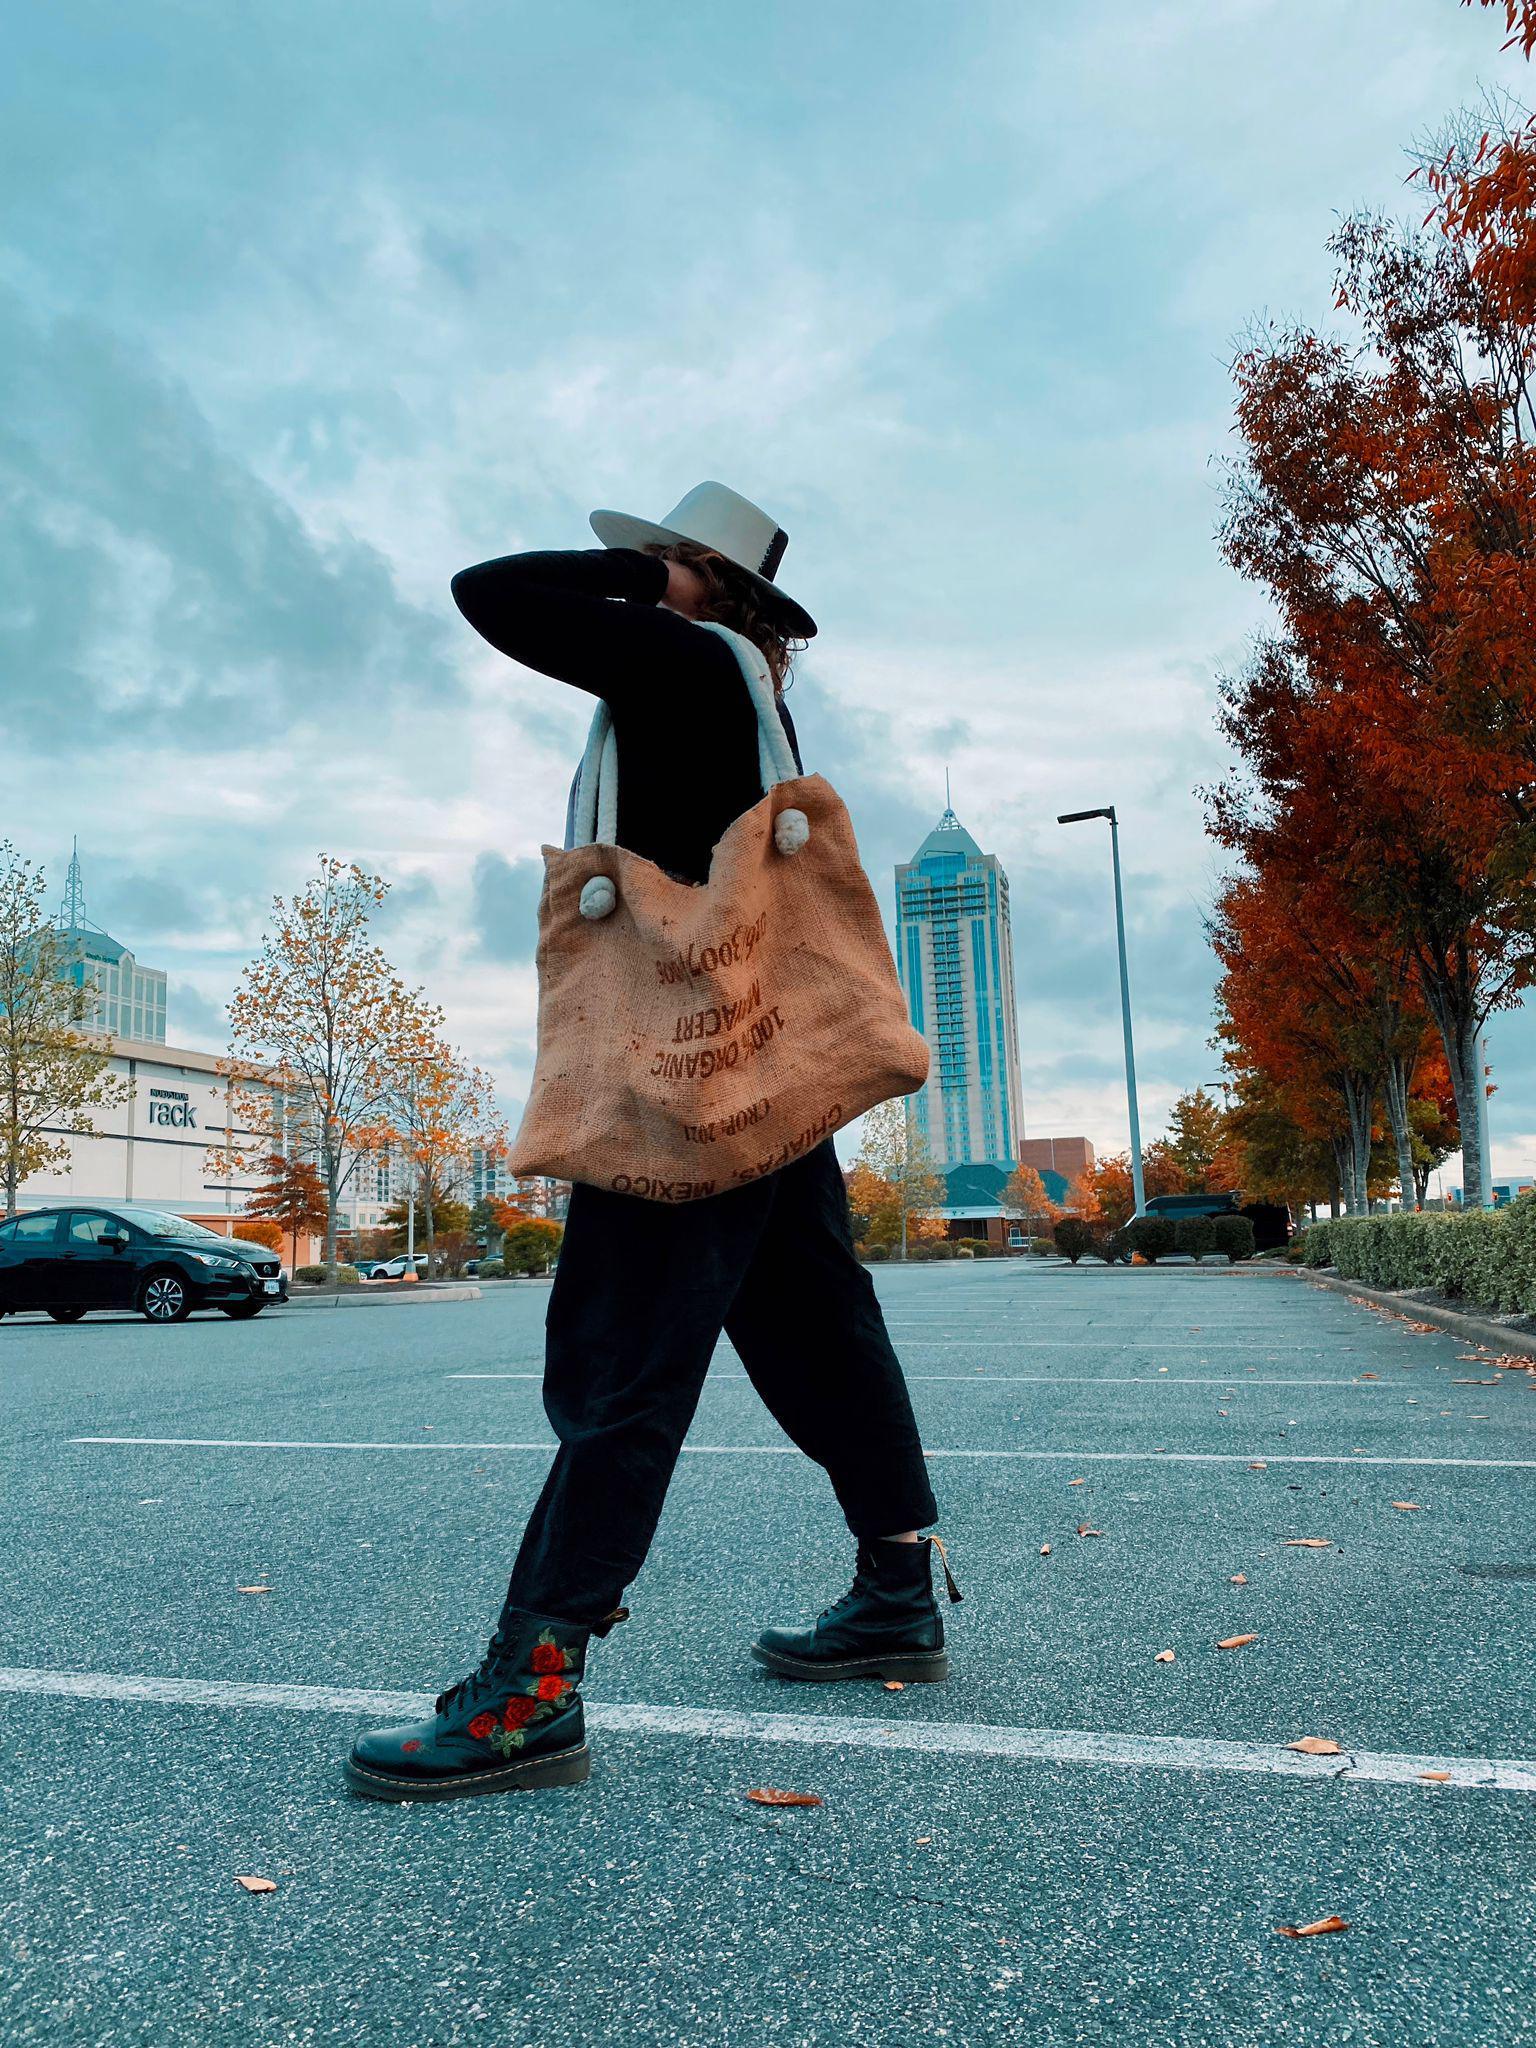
(694, 1037)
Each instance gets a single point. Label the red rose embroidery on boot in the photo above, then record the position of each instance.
(547, 1657)
(550, 1688)
(481, 1726)
(519, 1712)
(412, 1746)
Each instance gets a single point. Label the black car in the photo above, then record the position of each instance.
(73, 1259)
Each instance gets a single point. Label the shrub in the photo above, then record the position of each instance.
(1115, 1248)
(492, 1269)
(531, 1247)
(1153, 1236)
(1073, 1238)
(1486, 1257)
(874, 1254)
(317, 1276)
(1196, 1236)
(260, 1230)
(1234, 1237)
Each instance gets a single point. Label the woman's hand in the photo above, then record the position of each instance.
(685, 592)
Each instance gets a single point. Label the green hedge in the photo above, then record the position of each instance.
(492, 1269)
(1487, 1257)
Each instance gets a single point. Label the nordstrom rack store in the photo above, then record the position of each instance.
(154, 1146)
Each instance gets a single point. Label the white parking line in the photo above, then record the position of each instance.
(228, 1443)
(842, 1731)
(1022, 1379)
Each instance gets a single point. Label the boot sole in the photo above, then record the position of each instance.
(923, 1667)
(563, 1767)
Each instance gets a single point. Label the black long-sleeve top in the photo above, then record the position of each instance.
(682, 714)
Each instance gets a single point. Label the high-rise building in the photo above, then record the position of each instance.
(954, 952)
(117, 995)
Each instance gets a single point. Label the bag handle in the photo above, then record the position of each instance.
(596, 820)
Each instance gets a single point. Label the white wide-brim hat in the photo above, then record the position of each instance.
(731, 525)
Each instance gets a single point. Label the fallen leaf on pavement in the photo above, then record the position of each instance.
(1077, 1482)
(1474, 1383)
(1235, 1642)
(256, 1884)
(1238, 1579)
(1309, 1543)
(1258, 1465)
(895, 1685)
(1332, 1925)
(1437, 1777)
(923, 1840)
(253, 1589)
(1409, 1507)
(1425, 1329)
(1084, 1530)
(1367, 1375)
(1045, 1550)
(1163, 1657)
(765, 1795)
(1315, 1745)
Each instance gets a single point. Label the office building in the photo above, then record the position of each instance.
(117, 994)
(954, 953)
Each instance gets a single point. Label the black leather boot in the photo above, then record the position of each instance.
(887, 1625)
(514, 1723)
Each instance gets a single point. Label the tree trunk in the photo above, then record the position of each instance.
(1454, 1011)
(1359, 1098)
(332, 1162)
(1394, 1088)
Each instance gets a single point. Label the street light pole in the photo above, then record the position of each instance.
(1077, 818)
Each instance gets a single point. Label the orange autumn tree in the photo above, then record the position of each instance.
(1287, 1018)
(320, 1028)
(437, 1109)
(1025, 1194)
(1386, 500)
(291, 1197)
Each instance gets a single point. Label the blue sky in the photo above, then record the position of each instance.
(301, 309)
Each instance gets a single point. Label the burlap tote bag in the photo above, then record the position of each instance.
(696, 1037)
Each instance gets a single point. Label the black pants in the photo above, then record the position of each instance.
(641, 1294)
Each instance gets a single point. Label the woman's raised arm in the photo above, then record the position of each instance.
(556, 613)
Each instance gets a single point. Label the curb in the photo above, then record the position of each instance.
(356, 1297)
(1475, 1328)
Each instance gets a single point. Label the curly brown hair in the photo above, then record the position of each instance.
(735, 600)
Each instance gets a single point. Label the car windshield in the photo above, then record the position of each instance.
(156, 1223)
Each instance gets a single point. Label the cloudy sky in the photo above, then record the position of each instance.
(302, 308)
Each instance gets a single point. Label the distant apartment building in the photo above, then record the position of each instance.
(954, 953)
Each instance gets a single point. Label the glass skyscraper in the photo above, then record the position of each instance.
(954, 952)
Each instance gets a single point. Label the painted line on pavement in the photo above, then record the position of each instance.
(229, 1443)
(930, 1738)
(1020, 1379)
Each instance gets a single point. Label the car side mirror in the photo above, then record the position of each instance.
(116, 1238)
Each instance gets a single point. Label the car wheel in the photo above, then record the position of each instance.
(165, 1299)
(66, 1315)
(242, 1311)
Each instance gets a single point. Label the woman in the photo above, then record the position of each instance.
(643, 1289)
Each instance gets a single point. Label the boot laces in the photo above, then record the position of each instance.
(479, 1676)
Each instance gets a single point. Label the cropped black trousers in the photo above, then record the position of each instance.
(641, 1294)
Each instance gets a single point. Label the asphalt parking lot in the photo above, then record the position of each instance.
(1070, 1842)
